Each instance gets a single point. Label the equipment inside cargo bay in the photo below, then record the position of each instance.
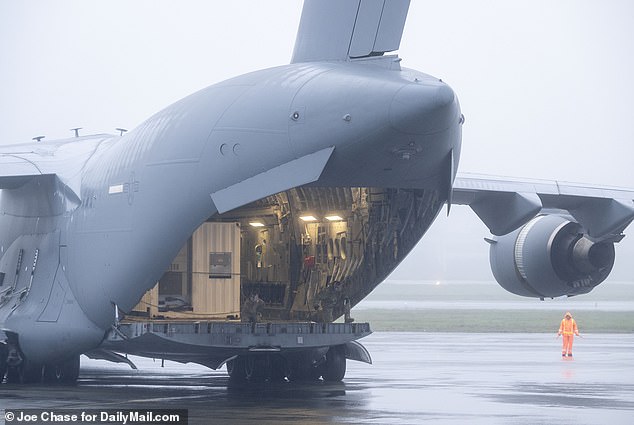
(304, 254)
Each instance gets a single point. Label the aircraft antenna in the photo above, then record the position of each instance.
(38, 138)
(76, 130)
(121, 131)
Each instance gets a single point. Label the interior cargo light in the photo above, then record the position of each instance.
(308, 218)
(334, 218)
(256, 224)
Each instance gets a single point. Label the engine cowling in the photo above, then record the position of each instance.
(550, 256)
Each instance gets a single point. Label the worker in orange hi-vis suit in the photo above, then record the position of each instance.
(568, 329)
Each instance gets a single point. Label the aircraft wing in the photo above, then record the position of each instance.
(345, 29)
(65, 160)
(504, 204)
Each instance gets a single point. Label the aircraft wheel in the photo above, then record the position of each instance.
(301, 369)
(30, 372)
(257, 368)
(297, 373)
(236, 369)
(70, 369)
(335, 366)
(13, 375)
(65, 373)
(52, 373)
(3, 360)
(279, 369)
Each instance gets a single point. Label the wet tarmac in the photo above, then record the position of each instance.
(416, 378)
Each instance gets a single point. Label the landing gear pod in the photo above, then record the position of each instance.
(550, 256)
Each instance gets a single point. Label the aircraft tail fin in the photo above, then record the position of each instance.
(345, 29)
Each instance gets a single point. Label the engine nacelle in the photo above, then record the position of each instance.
(550, 256)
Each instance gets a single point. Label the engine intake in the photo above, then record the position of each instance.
(550, 256)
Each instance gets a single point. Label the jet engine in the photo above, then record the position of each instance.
(550, 256)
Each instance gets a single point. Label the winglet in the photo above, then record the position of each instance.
(344, 29)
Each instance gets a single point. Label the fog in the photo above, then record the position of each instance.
(546, 87)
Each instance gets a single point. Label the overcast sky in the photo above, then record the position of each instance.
(547, 86)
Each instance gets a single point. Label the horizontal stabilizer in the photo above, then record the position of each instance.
(345, 29)
(297, 172)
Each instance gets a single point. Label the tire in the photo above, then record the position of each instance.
(70, 370)
(257, 368)
(3, 360)
(334, 369)
(52, 373)
(64, 373)
(279, 368)
(30, 372)
(13, 375)
(301, 369)
(236, 369)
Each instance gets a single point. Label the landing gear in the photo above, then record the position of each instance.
(64, 373)
(19, 370)
(14, 361)
(302, 368)
(278, 369)
(4, 352)
(13, 375)
(257, 368)
(236, 369)
(334, 369)
(306, 366)
(28, 372)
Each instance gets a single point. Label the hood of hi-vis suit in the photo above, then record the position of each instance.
(568, 315)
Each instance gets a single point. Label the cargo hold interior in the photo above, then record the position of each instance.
(304, 254)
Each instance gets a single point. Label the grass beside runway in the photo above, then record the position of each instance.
(436, 320)
(392, 307)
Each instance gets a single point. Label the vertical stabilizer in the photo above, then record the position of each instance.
(344, 29)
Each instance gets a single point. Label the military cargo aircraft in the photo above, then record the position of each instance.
(235, 225)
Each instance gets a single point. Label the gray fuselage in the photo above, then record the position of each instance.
(143, 194)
